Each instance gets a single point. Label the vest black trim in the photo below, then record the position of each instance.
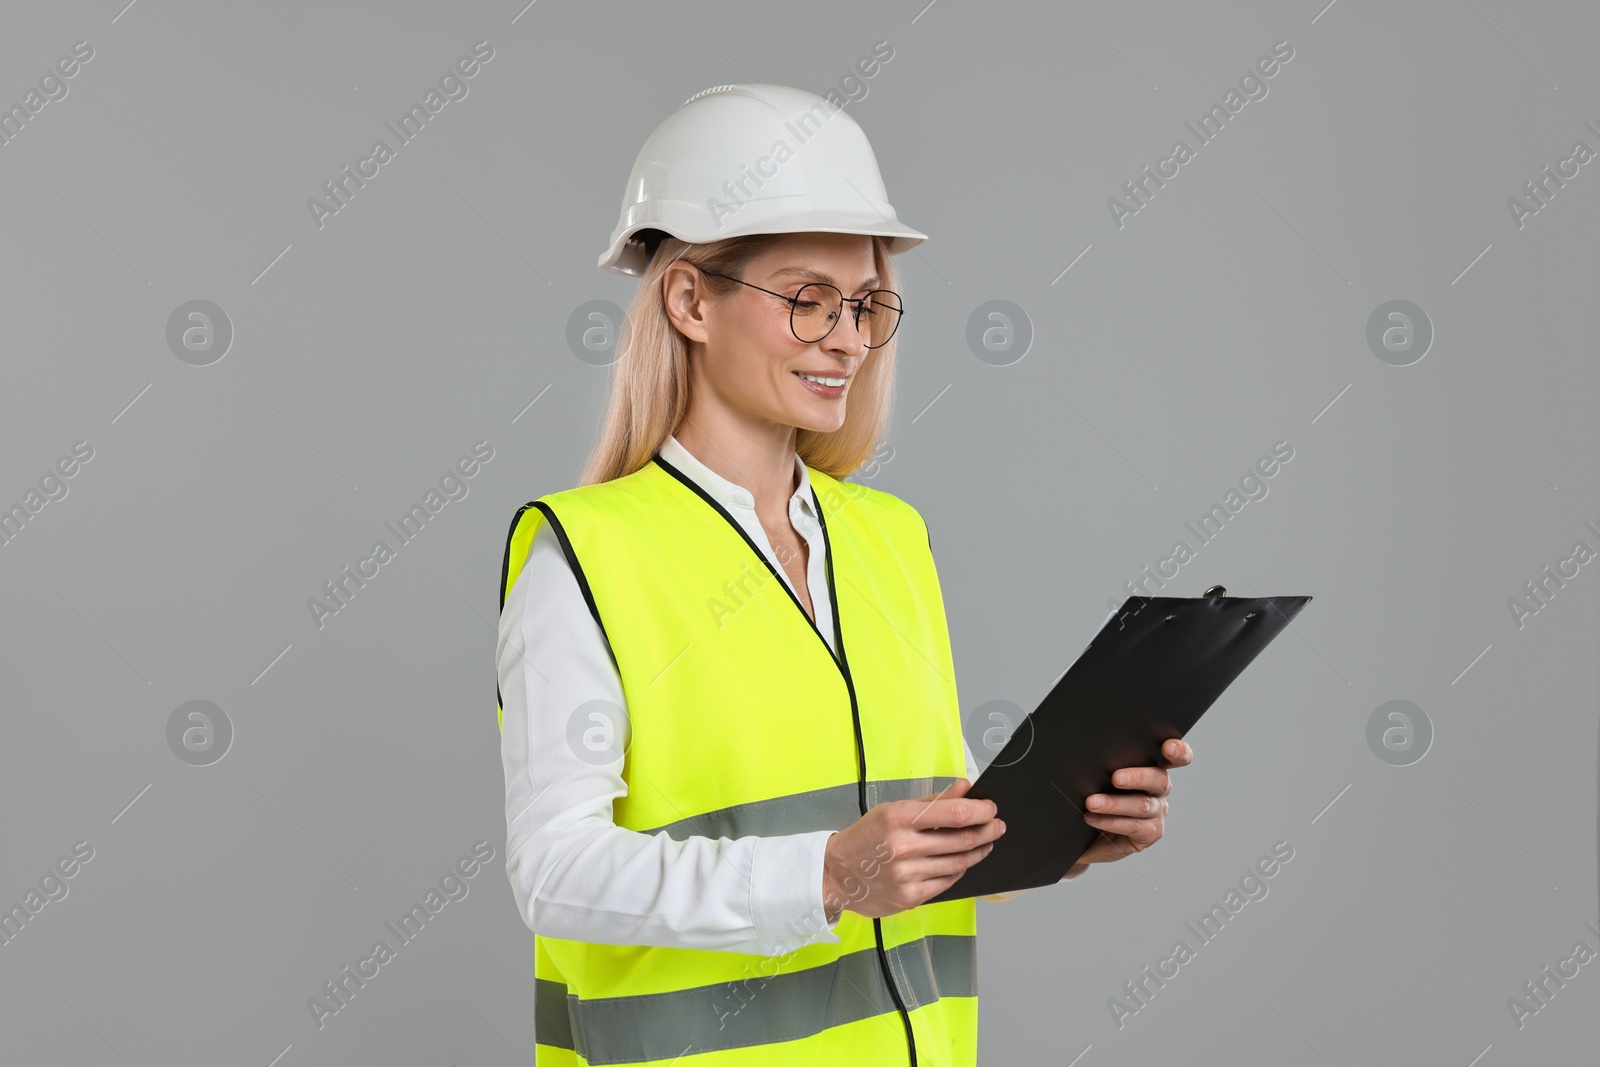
(842, 662)
(577, 572)
(505, 559)
(505, 572)
(720, 510)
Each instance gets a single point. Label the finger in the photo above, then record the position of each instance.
(933, 815)
(958, 839)
(1177, 753)
(1152, 780)
(955, 812)
(1142, 805)
(1142, 832)
(954, 863)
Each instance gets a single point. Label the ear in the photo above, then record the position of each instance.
(684, 296)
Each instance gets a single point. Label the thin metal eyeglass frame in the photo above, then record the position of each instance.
(858, 301)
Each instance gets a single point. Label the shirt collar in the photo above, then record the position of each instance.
(730, 494)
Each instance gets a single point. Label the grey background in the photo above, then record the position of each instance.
(368, 355)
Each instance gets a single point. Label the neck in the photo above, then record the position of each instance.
(760, 460)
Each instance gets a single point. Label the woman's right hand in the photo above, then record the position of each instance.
(903, 852)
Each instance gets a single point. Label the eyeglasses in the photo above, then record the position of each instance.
(814, 310)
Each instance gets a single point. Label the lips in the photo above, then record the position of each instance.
(828, 392)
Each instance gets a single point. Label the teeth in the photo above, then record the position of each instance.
(821, 381)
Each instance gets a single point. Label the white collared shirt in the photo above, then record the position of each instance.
(575, 873)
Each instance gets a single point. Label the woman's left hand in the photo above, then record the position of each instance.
(1131, 822)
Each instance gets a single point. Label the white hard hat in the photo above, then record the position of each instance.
(753, 158)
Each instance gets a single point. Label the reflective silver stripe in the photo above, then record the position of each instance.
(756, 1010)
(832, 808)
(551, 1023)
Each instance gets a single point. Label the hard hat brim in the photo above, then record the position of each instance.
(688, 222)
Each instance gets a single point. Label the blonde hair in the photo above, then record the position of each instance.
(650, 378)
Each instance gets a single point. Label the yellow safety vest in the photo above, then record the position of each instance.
(743, 722)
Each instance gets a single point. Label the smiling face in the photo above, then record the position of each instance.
(743, 354)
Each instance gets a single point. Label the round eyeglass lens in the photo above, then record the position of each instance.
(817, 307)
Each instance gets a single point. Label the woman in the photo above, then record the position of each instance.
(733, 753)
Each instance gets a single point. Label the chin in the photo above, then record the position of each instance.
(818, 422)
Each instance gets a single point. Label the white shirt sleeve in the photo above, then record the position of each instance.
(575, 873)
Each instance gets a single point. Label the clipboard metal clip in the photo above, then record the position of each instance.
(1214, 591)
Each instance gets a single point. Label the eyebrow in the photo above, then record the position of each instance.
(815, 276)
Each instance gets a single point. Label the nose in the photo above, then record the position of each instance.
(853, 342)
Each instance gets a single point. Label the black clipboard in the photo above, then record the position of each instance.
(1153, 669)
